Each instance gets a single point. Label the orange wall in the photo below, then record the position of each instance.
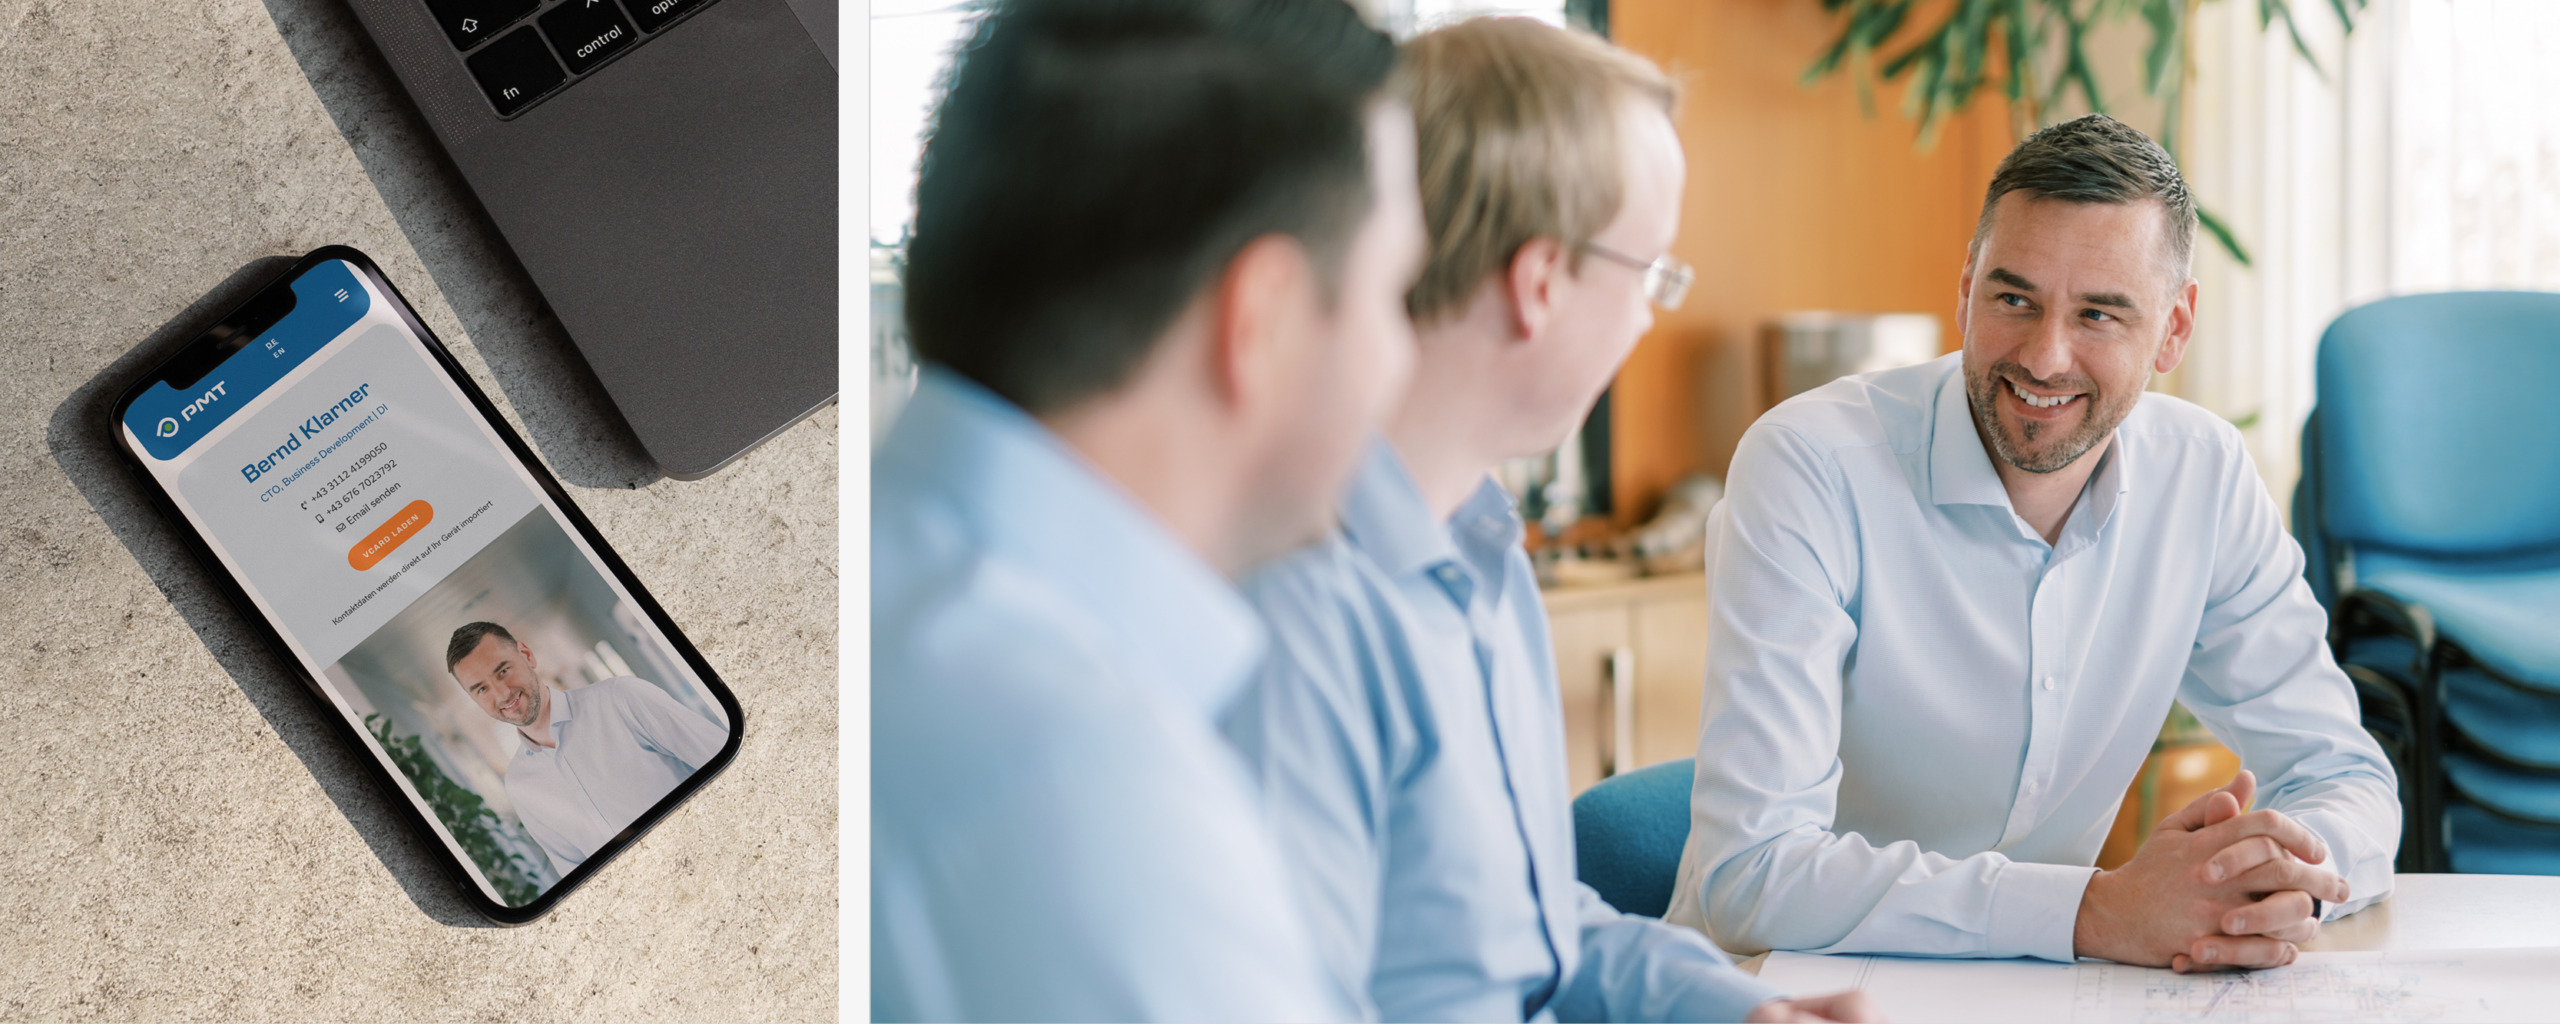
(1795, 201)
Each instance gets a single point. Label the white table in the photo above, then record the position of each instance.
(2438, 912)
(2452, 912)
(2481, 948)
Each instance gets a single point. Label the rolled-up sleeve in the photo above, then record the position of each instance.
(1763, 868)
(2263, 680)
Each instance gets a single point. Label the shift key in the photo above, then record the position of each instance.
(585, 32)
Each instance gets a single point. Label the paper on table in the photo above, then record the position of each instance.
(2403, 986)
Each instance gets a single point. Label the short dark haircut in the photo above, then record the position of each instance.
(2097, 159)
(467, 639)
(1093, 164)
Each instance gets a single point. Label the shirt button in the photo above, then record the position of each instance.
(2031, 789)
(2048, 683)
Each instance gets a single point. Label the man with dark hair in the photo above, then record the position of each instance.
(1953, 602)
(1157, 278)
(595, 758)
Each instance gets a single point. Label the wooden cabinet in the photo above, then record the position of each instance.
(1631, 663)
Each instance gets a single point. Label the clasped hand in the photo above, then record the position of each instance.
(2212, 889)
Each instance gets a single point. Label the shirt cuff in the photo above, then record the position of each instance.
(2367, 869)
(2034, 908)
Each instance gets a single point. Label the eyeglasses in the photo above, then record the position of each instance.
(1666, 280)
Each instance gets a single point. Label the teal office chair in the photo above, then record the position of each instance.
(2429, 512)
(1627, 835)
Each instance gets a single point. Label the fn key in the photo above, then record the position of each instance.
(516, 70)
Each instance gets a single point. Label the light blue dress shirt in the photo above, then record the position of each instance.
(1410, 740)
(1058, 831)
(621, 745)
(1921, 718)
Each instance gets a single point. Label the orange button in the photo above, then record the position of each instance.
(405, 524)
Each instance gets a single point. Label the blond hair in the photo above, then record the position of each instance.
(1518, 128)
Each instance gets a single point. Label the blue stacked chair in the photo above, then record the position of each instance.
(2429, 512)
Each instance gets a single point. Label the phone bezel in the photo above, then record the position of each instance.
(381, 773)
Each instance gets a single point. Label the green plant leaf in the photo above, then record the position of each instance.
(1948, 63)
(1829, 59)
(2271, 11)
(2222, 234)
(2164, 17)
(491, 841)
(2019, 36)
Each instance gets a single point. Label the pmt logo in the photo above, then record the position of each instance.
(168, 426)
(211, 395)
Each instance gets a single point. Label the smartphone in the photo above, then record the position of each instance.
(516, 691)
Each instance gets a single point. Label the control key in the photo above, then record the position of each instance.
(586, 32)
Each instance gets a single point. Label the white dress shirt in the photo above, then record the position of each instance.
(1921, 717)
(622, 746)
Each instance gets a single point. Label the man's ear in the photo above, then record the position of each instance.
(1529, 285)
(1255, 307)
(2182, 329)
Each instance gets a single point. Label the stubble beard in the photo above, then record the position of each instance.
(1982, 392)
(532, 707)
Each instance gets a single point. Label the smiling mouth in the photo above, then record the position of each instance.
(2038, 401)
(513, 705)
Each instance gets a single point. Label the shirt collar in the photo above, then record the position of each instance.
(1037, 503)
(2105, 492)
(1384, 514)
(560, 712)
(1960, 470)
(1487, 528)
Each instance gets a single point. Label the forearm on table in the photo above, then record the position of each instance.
(1821, 892)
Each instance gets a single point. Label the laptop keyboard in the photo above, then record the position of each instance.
(524, 50)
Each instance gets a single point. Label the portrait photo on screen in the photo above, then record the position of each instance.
(530, 706)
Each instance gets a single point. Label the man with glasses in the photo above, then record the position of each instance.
(1407, 728)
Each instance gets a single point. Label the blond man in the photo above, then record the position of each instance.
(1407, 728)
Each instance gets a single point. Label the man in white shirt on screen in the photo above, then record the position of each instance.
(595, 758)
(1953, 603)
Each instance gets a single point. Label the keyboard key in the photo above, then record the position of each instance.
(586, 32)
(655, 14)
(516, 70)
(470, 22)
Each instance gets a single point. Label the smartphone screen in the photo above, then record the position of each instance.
(530, 704)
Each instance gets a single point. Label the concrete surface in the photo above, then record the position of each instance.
(179, 836)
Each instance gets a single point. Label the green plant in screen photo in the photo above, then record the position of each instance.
(481, 832)
(2039, 51)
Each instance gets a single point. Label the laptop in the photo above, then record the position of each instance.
(665, 170)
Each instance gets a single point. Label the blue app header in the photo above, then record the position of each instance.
(327, 300)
